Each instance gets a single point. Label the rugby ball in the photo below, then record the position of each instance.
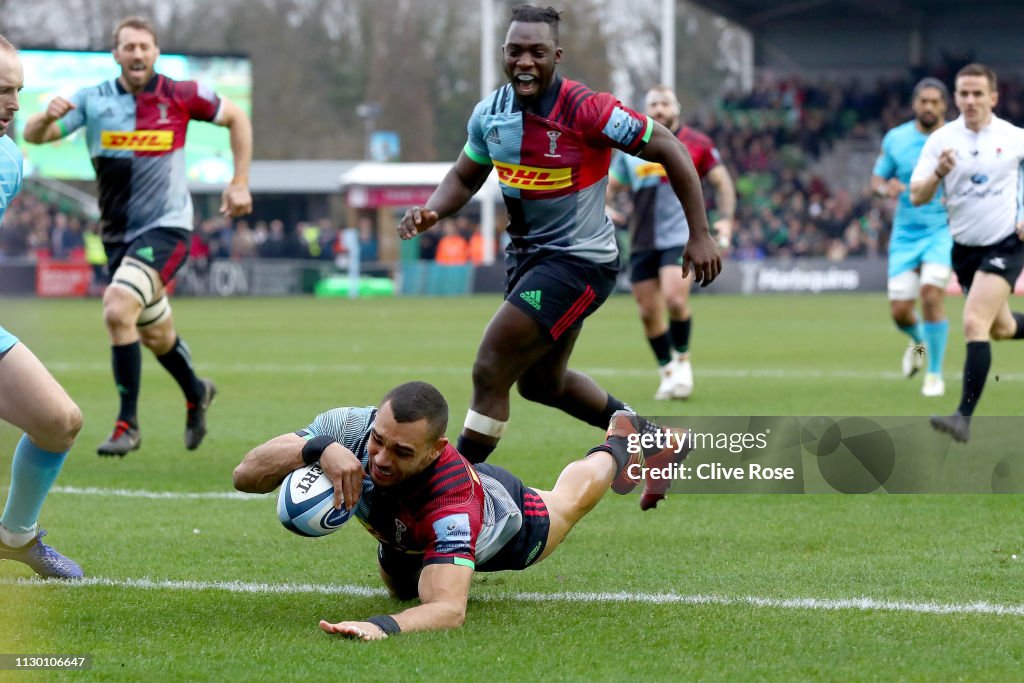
(305, 504)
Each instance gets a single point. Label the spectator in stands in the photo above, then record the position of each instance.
(452, 249)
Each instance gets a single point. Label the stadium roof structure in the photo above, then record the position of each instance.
(826, 34)
(409, 180)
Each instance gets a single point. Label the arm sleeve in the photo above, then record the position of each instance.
(75, 118)
(929, 158)
(476, 145)
(707, 159)
(201, 102)
(885, 166)
(606, 122)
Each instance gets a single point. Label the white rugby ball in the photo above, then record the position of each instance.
(305, 504)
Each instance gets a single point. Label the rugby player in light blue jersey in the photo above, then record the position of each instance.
(30, 398)
(920, 247)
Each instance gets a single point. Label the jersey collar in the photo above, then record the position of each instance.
(546, 102)
(150, 87)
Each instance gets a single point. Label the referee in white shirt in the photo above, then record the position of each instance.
(977, 159)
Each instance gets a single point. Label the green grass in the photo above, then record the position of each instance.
(278, 362)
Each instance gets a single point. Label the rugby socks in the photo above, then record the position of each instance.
(935, 336)
(178, 362)
(915, 331)
(473, 450)
(1019, 317)
(662, 347)
(127, 362)
(33, 472)
(610, 409)
(976, 367)
(680, 332)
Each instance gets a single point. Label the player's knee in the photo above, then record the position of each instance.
(539, 390)
(61, 427)
(120, 309)
(488, 374)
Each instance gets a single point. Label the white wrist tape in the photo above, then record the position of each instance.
(481, 424)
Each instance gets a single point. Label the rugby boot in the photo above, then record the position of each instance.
(195, 422)
(43, 559)
(622, 427)
(124, 439)
(956, 425)
(913, 360)
(658, 459)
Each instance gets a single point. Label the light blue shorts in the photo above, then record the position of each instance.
(909, 248)
(7, 340)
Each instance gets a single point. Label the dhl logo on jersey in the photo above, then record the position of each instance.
(533, 178)
(650, 170)
(138, 140)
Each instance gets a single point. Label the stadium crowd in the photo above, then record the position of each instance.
(768, 138)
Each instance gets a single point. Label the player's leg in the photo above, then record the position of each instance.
(986, 299)
(32, 400)
(131, 285)
(936, 269)
(511, 343)
(550, 381)
(156, 328)
(676, 290)
(904, 283)
(579, 488)
(643, 275)
(533, 332)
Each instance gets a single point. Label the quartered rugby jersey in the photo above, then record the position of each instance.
(552, 164)
(449, 513)
(901, 148)
(137, 147)
(11, 170)
(657, 220)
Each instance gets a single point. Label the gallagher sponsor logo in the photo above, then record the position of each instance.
(533, 178)
(138, 140)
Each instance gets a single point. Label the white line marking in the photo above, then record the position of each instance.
(341, 368)
(861, 604)
(162, 495)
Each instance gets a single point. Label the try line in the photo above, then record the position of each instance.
(620, 597)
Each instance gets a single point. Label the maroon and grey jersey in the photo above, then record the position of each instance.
(137, 147)
(449, 513)
(552, 164)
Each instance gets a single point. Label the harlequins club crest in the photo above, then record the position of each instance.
(553, 136)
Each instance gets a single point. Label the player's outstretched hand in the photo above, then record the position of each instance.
(1020, 230)
(235, 201)
(344, 468)
(415, 221)
(702, 253)
(358, 630)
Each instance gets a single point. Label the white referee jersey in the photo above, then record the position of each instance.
(982, 191)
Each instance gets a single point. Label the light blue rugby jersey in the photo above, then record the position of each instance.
(901, 148)
(11, 169)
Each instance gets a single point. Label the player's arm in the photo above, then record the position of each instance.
(615, 186)
(264, 467)
(444, 590)
(725, 200)
(932, 167)
(236, 200)
(461, 182)
(882, 187)
(45, 126)
(701, 250)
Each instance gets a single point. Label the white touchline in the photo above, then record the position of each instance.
(158, 495)
(864, 604)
